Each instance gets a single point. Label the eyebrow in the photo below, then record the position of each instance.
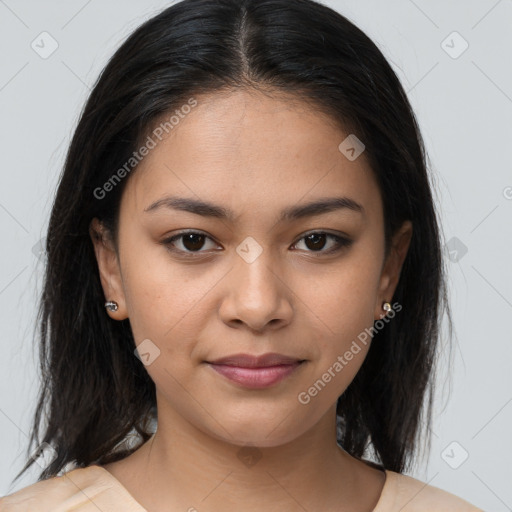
(206, 209)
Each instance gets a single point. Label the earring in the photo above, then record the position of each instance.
(386, 306)
(111, 305)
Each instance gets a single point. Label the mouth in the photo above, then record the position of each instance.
(256, 372)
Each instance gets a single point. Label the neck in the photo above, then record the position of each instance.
(184, 468)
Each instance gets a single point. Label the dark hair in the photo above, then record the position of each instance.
(95, 393)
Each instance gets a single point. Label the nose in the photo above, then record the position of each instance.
(256, 295)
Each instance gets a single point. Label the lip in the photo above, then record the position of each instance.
(256, 372)
(250, 361)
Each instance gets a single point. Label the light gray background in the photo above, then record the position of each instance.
(464, 106)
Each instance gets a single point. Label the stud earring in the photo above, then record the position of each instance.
(386, 306)
(111, 305)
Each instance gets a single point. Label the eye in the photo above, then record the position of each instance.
(189, 242)
(316, 241)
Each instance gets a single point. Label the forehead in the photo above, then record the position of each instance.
(251, 151)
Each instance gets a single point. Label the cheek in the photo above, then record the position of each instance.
(162, 300)
(344, 304)
(344, 299)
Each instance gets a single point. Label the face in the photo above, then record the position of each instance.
(257, 270)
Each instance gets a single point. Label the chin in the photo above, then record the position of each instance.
(276, 434)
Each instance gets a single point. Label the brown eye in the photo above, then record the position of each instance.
(317, 241)
(193, 241)
(188, 242)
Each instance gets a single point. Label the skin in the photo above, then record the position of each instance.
(256, 155)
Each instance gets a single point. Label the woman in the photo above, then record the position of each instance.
(244, 252)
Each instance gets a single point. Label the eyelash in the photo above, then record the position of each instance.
(341, 243)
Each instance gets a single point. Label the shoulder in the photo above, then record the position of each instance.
(75, 488)
(407, 494)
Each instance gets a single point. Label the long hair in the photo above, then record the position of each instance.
(95, 394)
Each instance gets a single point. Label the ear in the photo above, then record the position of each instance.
(392, 267)
(109, 269)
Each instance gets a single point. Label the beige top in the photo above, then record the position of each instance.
(94, 488)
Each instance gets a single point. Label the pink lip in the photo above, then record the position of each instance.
(254, 377)
(250, 361)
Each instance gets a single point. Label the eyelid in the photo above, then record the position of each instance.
(342, 241)
(337, 234)
(168, 240)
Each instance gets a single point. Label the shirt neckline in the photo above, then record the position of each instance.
(383, 504)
